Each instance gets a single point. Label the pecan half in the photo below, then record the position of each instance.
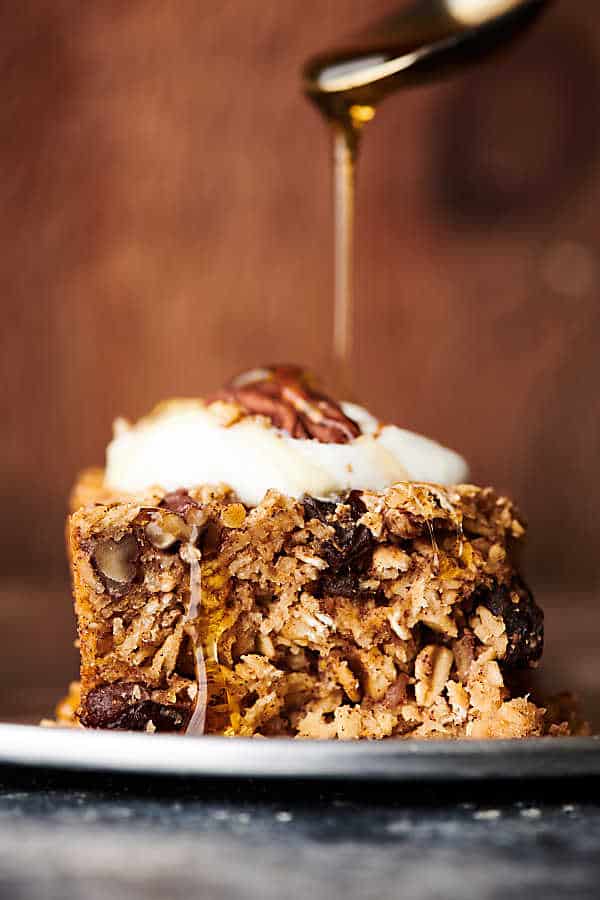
(286, 395)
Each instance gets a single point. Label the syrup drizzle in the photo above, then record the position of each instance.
(346, 143)
(197, 722)
(211, 685)
(344, 177)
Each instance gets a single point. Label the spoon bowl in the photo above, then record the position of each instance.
(425, 42)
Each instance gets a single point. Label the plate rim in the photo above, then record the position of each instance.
(169, 755)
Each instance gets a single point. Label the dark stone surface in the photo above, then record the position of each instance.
(71, 837)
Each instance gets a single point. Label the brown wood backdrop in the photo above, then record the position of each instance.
(166, 221)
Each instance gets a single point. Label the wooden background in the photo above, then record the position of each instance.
(166, 222)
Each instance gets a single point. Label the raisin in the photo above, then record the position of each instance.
(352, 548)
(349, 553)
(357, 505)
(325, 509)
(318, 509)
(349, 556)
(397, 692)
(128, 707)
(522, 617)
(343, 584)
(179, 502)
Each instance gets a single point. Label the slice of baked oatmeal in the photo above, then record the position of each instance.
(394, 613)
(319, 575)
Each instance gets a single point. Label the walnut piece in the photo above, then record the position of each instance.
(116, 561)
(165, 531)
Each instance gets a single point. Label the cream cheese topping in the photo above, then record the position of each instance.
(185, 443)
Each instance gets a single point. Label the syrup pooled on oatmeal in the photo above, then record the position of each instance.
(427, 42)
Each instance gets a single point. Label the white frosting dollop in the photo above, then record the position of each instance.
(184, 444)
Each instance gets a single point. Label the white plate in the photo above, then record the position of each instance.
(209, 757)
